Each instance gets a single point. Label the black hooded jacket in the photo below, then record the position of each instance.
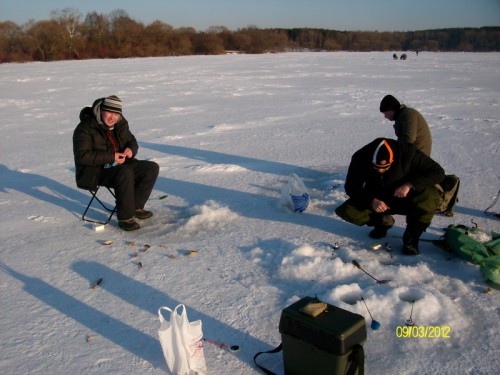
(364, 183)
(92, 148)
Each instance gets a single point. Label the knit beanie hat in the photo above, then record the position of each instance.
(389, 103)
(112, 104)
(383, 155)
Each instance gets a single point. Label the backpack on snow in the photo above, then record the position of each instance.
(474, 245)
(448, 189)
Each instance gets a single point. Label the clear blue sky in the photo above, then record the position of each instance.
(373, 15)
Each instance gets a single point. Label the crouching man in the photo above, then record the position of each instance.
(388, 177)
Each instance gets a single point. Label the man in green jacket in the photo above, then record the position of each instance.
(104, 149)
(389, 177)
(409, 124)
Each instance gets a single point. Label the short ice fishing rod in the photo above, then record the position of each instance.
(375, 325)
(377, 280)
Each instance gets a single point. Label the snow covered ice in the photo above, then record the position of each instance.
(227, 131)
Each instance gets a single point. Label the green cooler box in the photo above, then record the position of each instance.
(319, 345)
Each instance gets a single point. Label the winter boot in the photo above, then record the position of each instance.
(142, 214)
(129, 224)
(411, 237)
(382, 224)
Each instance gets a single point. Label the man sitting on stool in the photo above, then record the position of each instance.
(104, 149)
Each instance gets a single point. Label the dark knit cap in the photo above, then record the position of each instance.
(112, 104)
(389, 103)
(383, 155)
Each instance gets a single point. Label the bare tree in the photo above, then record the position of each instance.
(96, 30)
(208, 44)
(69, 22)
(242, 41)
(45, 41)
(126, 34)
(13, 43)
(159, 37)
(183, 37)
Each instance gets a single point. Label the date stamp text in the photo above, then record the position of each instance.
(423, 332)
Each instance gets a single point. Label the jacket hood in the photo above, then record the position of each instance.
(85, 113)
(95, 112)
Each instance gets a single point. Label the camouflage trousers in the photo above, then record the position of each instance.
(418, 207)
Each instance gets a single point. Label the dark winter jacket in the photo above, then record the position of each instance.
(410, 126)
(92, 148)
(364, 183)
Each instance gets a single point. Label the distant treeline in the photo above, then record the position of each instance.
(115, 35)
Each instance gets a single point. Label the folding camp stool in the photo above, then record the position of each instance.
(103, 205)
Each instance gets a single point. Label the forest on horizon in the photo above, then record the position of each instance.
(68, 35)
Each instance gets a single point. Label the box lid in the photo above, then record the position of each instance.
(335, 330)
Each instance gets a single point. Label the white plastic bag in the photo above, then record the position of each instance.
(295, 194)
(181, 342)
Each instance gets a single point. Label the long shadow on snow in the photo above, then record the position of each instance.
(129, 338)
(242, 161)
(130, 291)
(33, 185)
(244, 204)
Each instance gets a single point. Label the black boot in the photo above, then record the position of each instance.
(129, 225)
(142, 214)
(411, 237)
(382, 224)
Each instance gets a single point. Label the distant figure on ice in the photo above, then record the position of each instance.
(104, 149)
(388, 177)
(409, 124)
(403, 56)
(394, 57)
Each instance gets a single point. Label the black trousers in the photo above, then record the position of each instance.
(132, 182)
